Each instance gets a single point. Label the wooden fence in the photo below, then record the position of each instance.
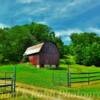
(82, 77)
(8, 82)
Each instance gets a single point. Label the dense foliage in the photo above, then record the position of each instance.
(15, 40)
(86, 48)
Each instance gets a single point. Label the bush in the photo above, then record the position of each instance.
(62, 61)
(68, 59)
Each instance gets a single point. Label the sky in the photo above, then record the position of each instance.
(63, 16)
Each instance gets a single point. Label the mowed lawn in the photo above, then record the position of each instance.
(52, 78)
(44, 77)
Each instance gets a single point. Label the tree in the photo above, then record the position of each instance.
(86, 48)
(17, 39)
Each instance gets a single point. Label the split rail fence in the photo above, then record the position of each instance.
(82, 77)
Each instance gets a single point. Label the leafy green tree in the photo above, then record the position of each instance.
(86, 48)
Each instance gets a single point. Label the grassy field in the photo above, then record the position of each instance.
(55, 79)
(19, 96)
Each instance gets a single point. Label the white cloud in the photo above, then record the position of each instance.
(43, 22)
(28, 1)
(32, 11)
(53, 11)
(3, 25)
(94, 29)
(67, 32)
(73, 8)
(37, 11)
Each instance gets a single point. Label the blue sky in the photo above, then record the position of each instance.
(64, 16)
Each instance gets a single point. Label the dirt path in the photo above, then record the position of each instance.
(47, 94)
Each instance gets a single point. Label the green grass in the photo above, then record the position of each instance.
(19, 96)
(25, 97)
(28, 74)
(56, 79)
(44, 77)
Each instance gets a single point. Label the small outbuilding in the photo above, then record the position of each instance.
(42, 54)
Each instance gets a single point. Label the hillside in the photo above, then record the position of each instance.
(54, 79)
(46, 77)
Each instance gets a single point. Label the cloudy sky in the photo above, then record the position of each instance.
(64, 16)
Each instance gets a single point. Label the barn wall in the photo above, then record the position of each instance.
(34, 59)
(49, 54)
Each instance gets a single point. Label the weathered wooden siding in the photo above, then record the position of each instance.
(49, 54)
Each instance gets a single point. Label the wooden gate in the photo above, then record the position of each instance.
(8, 82)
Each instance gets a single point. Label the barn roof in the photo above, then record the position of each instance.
(33, 49)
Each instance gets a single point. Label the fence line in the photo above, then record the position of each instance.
(8, 82)
(79, 78)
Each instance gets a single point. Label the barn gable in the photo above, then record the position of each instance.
(33, 49)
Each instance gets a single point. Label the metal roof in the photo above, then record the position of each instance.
(33, 49)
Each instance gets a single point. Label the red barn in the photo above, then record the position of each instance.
(43, 54)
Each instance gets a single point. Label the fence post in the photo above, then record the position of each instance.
(53, 77)
(88, 78)
(68, 77)
(5, 81)
(14, 81)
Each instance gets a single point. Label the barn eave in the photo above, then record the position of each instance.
(33, 49)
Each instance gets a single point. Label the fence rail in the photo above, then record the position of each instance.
(82, 77)
(8, 82)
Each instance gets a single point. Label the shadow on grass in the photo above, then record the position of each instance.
(59, 68)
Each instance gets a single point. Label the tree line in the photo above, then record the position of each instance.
(15, 40)
(84, 49)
